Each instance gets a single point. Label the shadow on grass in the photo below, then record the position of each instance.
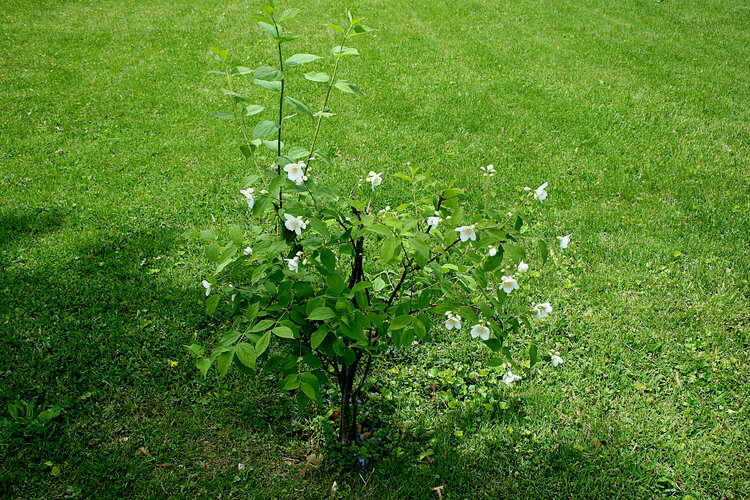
(14, 225)
(93, 321)
(94, 334)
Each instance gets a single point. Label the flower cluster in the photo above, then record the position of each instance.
(293, 263)
(481, 330)
(295, 224)
(540, 194)
(375, 179)
(295, 172)
(542, 310)
(466, 233)
(453, 321)
(509, 284)
(555, 359)
(249, 196)
(434, 220)
(510, 377)
(489, 171)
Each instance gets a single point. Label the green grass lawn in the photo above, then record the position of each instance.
(636, 112)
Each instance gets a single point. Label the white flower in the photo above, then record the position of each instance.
(374, 179)
(248, 251)
(466, 233)
(293, 264)
(540, 194)
(556, 359)
(510, 377)
(294, 224)
(564, 241)
(453, 321)
(493, 251)
(296, 172)
(433, 222)
(523, 267)
(542, 310)
(509, 284)
(249, 196)
(489, 171)
(231, 289)
(207, 286)
(480, 331)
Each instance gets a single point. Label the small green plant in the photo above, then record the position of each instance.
(322, 281)
(25, 417)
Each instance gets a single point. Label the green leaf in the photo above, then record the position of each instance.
(237, 235)
(224, 115)
(195, 349)
(318, 337)
(422, 249)
(245, 354)
(300, 59)
(328, 259)
(400, 322)
(213, 251)
(378, 284)
(495, 361)
(233, 94)
(273, 146)
(290, 382)
(284, 332)
(203, 365)
(318, 77)
(252, 311)
(208, 234)
(336, 283)
(246, 151)
(223, 362)
(307, 390)
(360, 30)
(419, 330)
(241, 70)
(251, 110)
(263, 325)
(340, 50)
(336, 27)
(321, 314)
(300, 106)
(270, 29)
(390, 250)
(495, 261)
(514, 252)
(288, 14)
(275, 86)
(297, 153)
(379, 229)
(361, 286)
(220, 53)
(543, 251)
(268, 73)
(532, 355)
(262, 344)
(347, 87)
(211, 304)
(264, 129)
